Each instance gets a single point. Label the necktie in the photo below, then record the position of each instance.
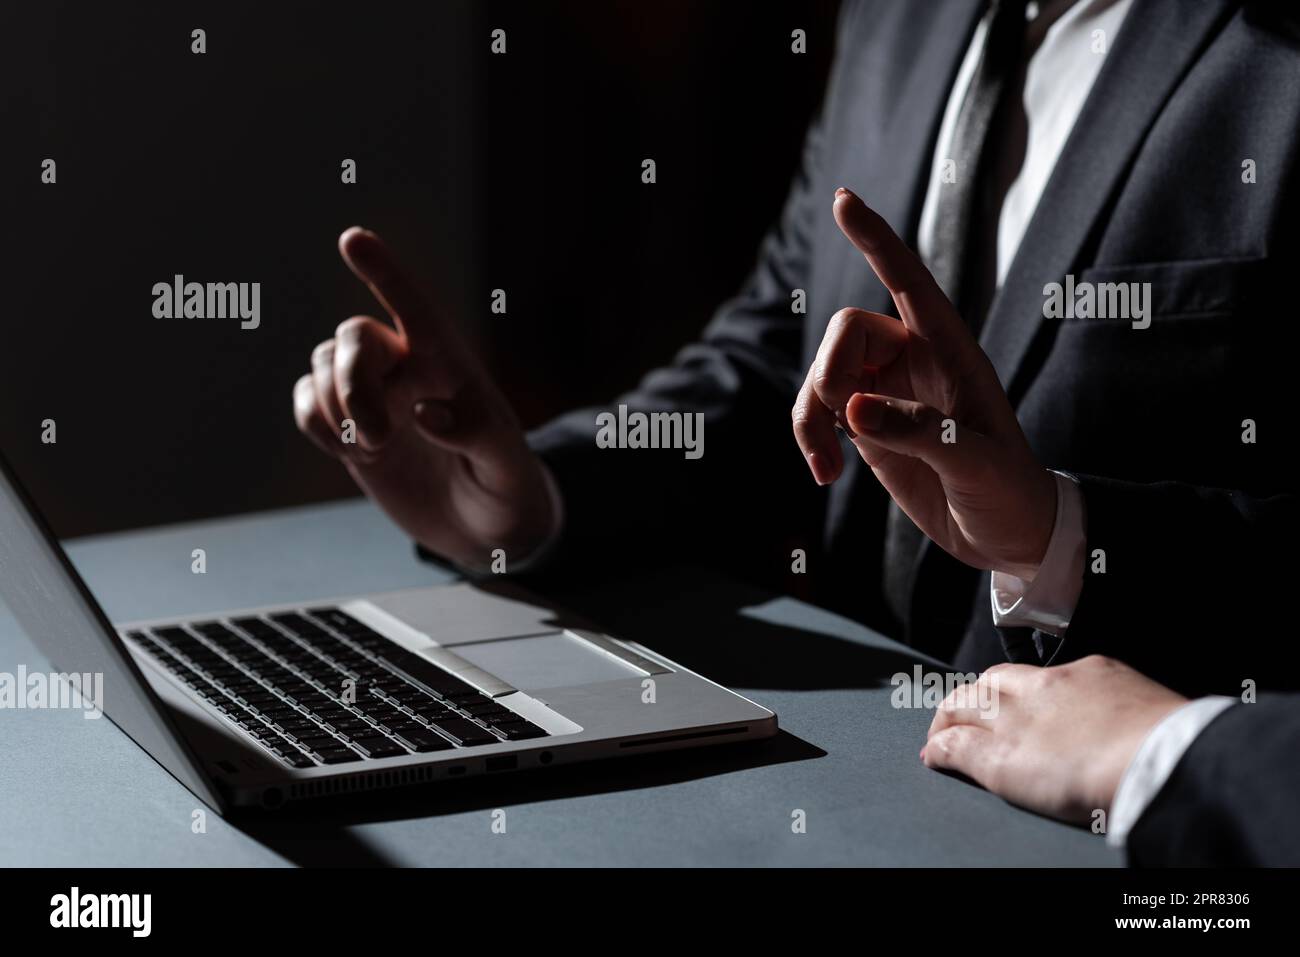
(964, 257)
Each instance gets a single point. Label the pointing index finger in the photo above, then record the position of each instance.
(373, 262)
(921, 303)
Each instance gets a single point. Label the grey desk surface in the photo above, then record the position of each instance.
(78, 792)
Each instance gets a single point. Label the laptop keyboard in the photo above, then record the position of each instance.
(284, 679)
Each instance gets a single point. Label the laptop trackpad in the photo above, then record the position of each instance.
(455, 614)
(546, 661)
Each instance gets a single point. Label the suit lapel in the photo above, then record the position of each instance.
(896, 172)
(1157, 44)
(894, 179)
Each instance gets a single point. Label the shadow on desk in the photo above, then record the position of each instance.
(741, 636)
(316, 834)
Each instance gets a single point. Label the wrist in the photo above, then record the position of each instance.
(1126, 745)
(1042, 507)
(541, 520)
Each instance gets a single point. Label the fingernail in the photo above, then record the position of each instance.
(843, 422)
(842, 192)
(869, 413)
(434, 416)
(923, 754)
(818, 468)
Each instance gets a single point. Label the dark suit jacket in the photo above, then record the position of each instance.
(1231, 799)
(1196, 526)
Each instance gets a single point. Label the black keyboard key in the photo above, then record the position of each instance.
(484, 709)
(349, 725)
(427, 673)
(434, 712)
(465, 732)
(272, 739)
(282, 646)
(281, 711)
(520, 730)
(296, 655)
(172, 636)
(262, 700)
(338, 755)
(300, 727)
(378, 747)
(410, 724)
(308, 698)
(218, 633)
(406, 693)
(469, 696)
(327, 644)
(386, 714)
(423, 740)
(332, 616)
(294, 622)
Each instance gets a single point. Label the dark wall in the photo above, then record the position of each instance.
(519, 171)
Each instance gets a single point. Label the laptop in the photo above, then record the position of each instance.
(273, 705)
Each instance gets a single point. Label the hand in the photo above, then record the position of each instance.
(1056, 740)
(437, 444)
(901, 389)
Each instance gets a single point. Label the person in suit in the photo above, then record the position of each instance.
(1004, 481)
(1209, 781)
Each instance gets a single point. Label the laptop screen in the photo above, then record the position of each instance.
(77, 658)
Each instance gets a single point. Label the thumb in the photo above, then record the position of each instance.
(959, 455)
(487, 437)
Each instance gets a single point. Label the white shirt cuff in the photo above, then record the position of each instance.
(1155, 760)
(1047, 601)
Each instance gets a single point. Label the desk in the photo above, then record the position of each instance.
(78, 792)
